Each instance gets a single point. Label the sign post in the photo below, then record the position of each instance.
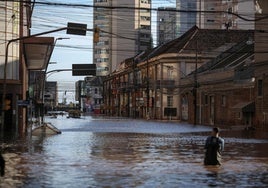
(84, 69)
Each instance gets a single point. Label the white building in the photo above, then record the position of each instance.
(125, 31)
(224, 13)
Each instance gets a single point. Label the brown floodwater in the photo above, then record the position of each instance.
(132, 153)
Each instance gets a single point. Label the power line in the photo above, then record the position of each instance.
(141, 8)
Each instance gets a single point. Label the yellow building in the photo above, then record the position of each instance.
(149, 84)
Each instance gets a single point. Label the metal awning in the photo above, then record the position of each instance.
(37, 51)
(245, 106)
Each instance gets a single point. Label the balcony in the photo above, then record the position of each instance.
(169, 84)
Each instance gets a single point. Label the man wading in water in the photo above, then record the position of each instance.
(214, 146)
(2, 165)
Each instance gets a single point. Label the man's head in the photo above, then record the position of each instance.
(215, 131)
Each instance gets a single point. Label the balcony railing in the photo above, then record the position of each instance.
(165, 84)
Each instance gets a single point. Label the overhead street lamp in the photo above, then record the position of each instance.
(72, 28)
(45, 77)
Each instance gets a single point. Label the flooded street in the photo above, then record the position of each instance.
(100, 152)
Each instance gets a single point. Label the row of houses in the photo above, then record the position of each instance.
(206, 76)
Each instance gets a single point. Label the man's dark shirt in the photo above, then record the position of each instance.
(214, 146)
(2, 165)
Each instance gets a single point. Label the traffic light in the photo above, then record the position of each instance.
(7, 104)
(96, 36)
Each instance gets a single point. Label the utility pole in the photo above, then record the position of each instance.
(195, 85)
(147, 89)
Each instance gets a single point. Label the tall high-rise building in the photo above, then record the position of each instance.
(186, 15)
(166, 24)
(125, 31)
(224, 14)
(261, 34)
(216, 14)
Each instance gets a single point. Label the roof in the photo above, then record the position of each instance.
(38, 51)
(235, 56)
(245, 106)
(209, 42)
(201, 40)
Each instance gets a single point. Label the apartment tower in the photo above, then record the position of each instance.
(224, 14)
(186, 15)
(125, 30)
(166, 27)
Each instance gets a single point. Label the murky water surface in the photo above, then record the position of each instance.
(132, 153)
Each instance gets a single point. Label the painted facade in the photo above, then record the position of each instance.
(203, 77)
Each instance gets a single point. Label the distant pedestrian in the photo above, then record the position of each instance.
(214, 146)
(2, 165)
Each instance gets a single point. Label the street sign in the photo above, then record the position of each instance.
(170, 111)
(84, 69)
(76, 28)
(23, 102)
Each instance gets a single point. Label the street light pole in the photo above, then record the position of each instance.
(147, 90)
(5, 68)
(45, 80)
(74, 28)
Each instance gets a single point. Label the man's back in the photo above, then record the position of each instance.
(213, 149)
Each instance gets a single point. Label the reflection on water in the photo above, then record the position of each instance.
(81, 158)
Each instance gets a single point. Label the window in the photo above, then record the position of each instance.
(145, 1)
(170, 101)
(169, 72)
(184, 101)
(211, 21)
(260, 88)
(223, 100)
(101, 60)
(148, 27)
(206, 99)
(101, 69)
(100, 1)
(237, 115)
(145, 18)
(145, 10)
(102, 51)
(143, 35)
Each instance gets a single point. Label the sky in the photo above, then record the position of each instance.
(76, 49)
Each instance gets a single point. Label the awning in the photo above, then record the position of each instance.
(245, 106)
(37, 51)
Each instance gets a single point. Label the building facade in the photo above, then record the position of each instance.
(216, 14)
(166, 24)
(14, 23)
(125, 30)
(224, 91)
(186, 18)
(225, 14)
(198, 86)
(89, 93)
(50, 95)
(149, 85)
(261, 61)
